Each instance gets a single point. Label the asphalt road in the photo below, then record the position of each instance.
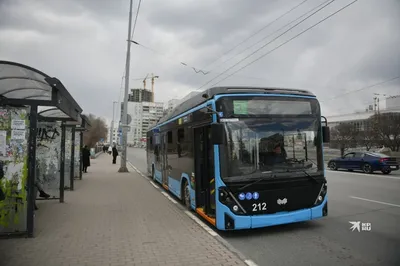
(373, 199)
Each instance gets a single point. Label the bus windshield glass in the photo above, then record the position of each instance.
(261, 146)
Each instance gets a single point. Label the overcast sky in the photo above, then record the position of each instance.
(83, 43)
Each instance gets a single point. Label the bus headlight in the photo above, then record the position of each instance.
(227, 198)
(321, 195)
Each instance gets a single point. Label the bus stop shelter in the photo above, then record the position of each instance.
(23, 90)
(75, 163)
(64, 174)
(84, 126)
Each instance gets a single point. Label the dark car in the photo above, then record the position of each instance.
(365, 161)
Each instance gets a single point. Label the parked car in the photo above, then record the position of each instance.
(368, 162)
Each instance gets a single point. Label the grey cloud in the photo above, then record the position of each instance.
(353, 49)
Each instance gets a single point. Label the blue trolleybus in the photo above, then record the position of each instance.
(244, 157)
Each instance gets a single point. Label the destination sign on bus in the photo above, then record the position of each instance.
(272, 107)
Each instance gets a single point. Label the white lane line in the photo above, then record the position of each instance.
(250, 263)
(362, 174)
(203, 225)
(169, 197)
(375, 201)
(153, 184)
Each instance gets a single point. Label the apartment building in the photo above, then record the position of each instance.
(143, 115)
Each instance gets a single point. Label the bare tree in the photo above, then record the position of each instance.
(344, 136)
(97, 131)
(386, 128)
(367, 137)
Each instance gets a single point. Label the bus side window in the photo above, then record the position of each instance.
(180, 144)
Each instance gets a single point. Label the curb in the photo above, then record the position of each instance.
(197, 220)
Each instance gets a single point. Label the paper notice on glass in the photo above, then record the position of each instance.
(18, 134)
(3, 143)
(17, 124)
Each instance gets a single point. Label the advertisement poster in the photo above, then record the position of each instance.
(18, 124)
(17, 134)
(13, 168)
(3, 143)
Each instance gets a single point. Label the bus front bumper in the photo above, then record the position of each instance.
(230, 221)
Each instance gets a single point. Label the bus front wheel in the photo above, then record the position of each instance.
(186, 195)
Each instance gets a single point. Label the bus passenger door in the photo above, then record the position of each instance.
(164, 160)
(204, 170)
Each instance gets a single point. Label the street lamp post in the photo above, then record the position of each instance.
(123, 168)
(112, 126)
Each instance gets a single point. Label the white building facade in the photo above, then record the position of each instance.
(143, 115)
(359, 118)
(171, 104)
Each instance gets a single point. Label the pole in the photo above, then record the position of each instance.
(112, 125)
(123, 168)
(31, 170)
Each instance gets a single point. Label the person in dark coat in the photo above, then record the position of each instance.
(85, 158)
(114, 154)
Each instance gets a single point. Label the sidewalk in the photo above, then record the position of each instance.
(114, 219)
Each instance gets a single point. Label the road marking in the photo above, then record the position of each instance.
(362, 174)
(153, 184)
(375, 201)
(250, 263)
(203, 225)
(169, 197)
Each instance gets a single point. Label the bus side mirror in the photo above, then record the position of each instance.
(326, 134)
(217, 134)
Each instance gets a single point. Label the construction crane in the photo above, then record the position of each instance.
(152, 84)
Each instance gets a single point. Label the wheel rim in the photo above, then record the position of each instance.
(187, 196)
(367, 168)
(333, 166)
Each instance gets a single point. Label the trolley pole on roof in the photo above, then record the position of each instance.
(123, 168)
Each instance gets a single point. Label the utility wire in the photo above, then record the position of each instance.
(186, 65)
(361, 89)
(252, 35)
(136, 17)
(133, 31)
(269, 52)
(257, 32)
(295, 25)
(196, 70)
(269, 35)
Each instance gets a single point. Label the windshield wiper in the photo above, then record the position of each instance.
(259, 180)
(310, 176)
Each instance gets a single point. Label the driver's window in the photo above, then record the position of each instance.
(358, 155)
(349, 155)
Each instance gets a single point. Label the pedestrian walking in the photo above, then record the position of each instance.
(109, 150)
(114, 154)
(85, 158)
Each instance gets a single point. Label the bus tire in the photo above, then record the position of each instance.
(186, 195)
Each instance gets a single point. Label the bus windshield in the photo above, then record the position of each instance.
(271, 145)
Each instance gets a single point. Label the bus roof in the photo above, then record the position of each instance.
(211, 92)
